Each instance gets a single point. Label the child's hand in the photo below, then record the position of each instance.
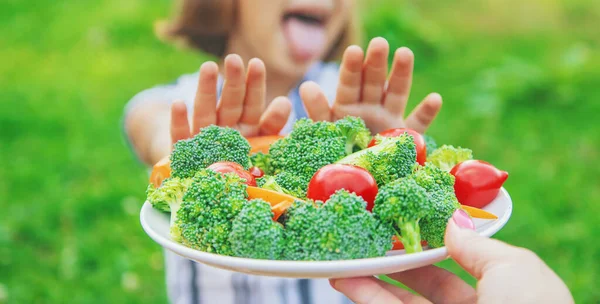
(364, 91)
(241, 106)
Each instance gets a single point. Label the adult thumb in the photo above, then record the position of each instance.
(475, 253)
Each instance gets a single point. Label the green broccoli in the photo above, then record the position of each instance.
(440, 186)
(446, 157)
(168, 198)
(339, 229)
(356, 133)
(284, 182)
(433, 226)
(210, 204)
(402, 204)
(211, 145)
(254, 234)
(433, 179)
(392, 158)
(262, 161)
(430, 144)
(310, 146)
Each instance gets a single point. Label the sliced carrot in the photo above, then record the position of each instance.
(271, 197)
(280, 208)
(262, 143)
(478, 213)
(161, 171)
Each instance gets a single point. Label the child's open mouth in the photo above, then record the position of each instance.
(304, 29)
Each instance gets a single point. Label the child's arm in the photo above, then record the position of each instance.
(147, 128)
(152, 126)
(365, 90)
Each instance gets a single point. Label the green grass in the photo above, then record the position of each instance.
(520, 83)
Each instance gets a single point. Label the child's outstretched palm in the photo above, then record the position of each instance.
(241, 105)
(364, 90)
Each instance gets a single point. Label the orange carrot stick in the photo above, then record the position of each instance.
(161, 171)
(479, 213)
(280, 208)
(262, 143)
(269, 196)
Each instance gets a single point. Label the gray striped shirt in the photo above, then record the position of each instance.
(190, 282)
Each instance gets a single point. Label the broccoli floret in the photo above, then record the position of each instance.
(157, 198)
(339, 229)
(262, 161)
(356, 133)
(213, 144)
(310, 146)
(391, 159)
(446, 157)
(284, 182)
(210, 204)
(402, 204)
(430, 144)
(433, 179)
(254, 234)
(433, 226)
(440, 186)
(168, 198)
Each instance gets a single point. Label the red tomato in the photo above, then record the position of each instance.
(477, 182)
(228, 167)
(397, 245)
(256, 172)
(418, 138)
(334, 177)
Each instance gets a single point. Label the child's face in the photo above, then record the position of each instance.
(288, 35)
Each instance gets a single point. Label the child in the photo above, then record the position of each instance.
(294, 39)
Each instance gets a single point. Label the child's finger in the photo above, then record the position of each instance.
(205, 101)
(400, 81)
(422, 116)
(234, 90)
(375, 71)
(276, 116)
(348, 90)
(180, 128)
(254, 102)
(315, 101)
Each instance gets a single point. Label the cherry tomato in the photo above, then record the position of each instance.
(228, 167)
(418, 138)
(397, 245)
(256, 172)
(334, 177)
(477, 182)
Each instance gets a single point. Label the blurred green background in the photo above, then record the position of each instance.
(520, 80)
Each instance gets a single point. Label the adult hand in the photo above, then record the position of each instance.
(505, 274)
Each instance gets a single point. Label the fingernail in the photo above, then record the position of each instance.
(462, 219)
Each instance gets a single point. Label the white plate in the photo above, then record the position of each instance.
(156, 225)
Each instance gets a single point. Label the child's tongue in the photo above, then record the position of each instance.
(305, 39)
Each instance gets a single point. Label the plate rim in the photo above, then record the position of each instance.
(263, 265)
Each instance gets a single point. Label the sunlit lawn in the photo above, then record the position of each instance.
(520, 83)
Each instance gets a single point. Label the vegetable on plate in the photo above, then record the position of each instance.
(326, 191)
(420, 144)
(334, 177)
(477, 182)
